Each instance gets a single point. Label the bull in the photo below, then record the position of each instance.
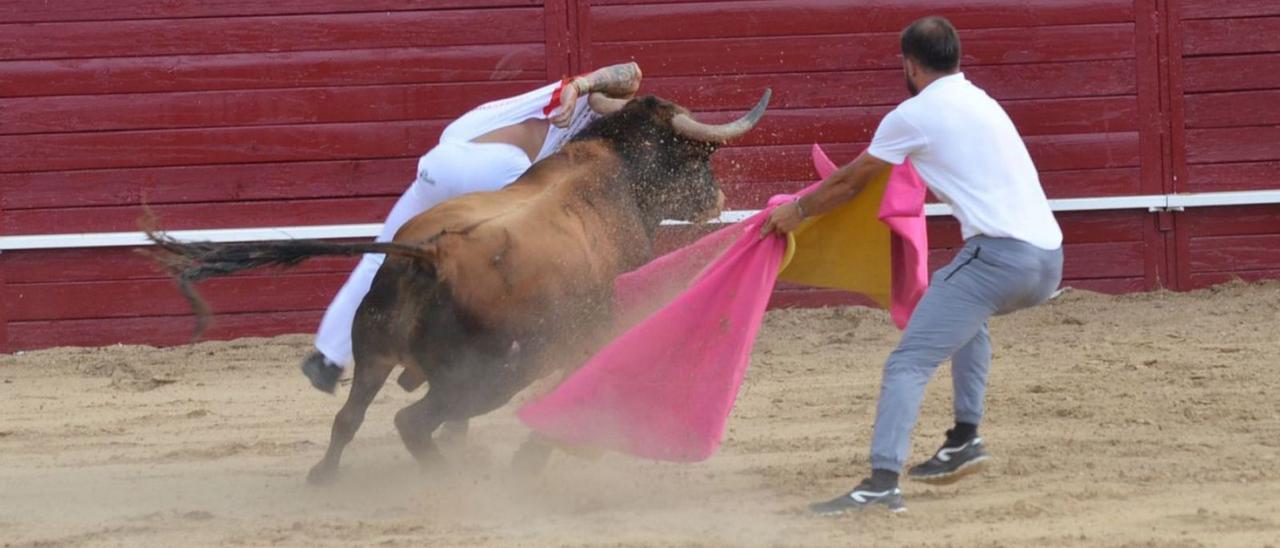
(484, 294)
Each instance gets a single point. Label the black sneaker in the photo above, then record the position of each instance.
(950, 464)
(861, 497)
(322, 373)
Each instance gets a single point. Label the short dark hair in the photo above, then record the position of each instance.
(932, 42)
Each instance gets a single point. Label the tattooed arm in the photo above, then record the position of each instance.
(620, 81)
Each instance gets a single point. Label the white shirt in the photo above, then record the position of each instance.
(965, 147)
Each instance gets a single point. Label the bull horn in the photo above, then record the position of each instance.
(604, 105)
(689, 128)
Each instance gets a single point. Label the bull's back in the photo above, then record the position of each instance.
(545, 249)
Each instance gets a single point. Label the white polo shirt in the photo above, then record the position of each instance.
(970, 155)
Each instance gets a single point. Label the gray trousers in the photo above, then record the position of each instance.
(990, 276)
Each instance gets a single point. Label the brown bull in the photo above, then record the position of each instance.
(485, 293)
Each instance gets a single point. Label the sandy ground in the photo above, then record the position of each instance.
(1149, 420)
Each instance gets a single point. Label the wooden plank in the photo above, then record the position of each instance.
(186, 184)
(133, 298)
(1174, 86)
(1102, 227)
(1225, 177)
(1057, 184)
(1109, 286)
(1050, 153)
(692, 20)
(199, 215)
(234, 145)
(159, 330)
(404, 29)
(215, 183)
(1232, 109)
(1231, 221)
(858, 124)
(272, 70)
(1073, 115)
(1202, 280)
(1253, 144)
(873, 51)
(121, 263)
(26, 11)
(1104, 260)
(1149, 22)
(1208, 9)
(134, 111)
(1231, 36)
(1235, 253)
(885, 87)
(1230, 73)
(559, 38)
(1089, 183)
(852, 124)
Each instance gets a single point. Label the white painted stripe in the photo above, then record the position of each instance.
(1217, 199)
(123, 239)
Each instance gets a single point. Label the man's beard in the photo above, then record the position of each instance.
(911, 87)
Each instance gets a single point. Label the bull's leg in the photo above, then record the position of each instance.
(370, 374)
(420, 419)
(453, 432)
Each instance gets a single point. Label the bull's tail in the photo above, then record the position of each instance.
(192, 262)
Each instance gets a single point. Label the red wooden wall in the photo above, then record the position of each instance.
(231, 114)
(1070, 72)
(1226, 92)
(227, 114)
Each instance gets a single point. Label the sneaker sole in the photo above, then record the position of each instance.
(874, 508)
(967, 469)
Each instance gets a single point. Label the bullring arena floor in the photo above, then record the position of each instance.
(1149, 420)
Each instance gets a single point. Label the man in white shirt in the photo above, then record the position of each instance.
(968, 152)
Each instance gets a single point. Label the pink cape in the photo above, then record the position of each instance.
(664, 388)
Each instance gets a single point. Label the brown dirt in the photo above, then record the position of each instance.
(1149, 420)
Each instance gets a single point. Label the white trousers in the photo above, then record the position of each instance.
(455, 167)
(449, 170)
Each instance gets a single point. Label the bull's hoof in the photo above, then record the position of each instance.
(322, 475)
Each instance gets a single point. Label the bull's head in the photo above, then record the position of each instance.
(666, 153)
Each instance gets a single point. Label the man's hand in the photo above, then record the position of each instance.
(569, 94)
(783, 220)
(620, 81)
(840, 187)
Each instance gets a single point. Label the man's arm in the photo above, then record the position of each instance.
(620, 81)
(840, 187)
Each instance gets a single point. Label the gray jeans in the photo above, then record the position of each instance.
(990, 277)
